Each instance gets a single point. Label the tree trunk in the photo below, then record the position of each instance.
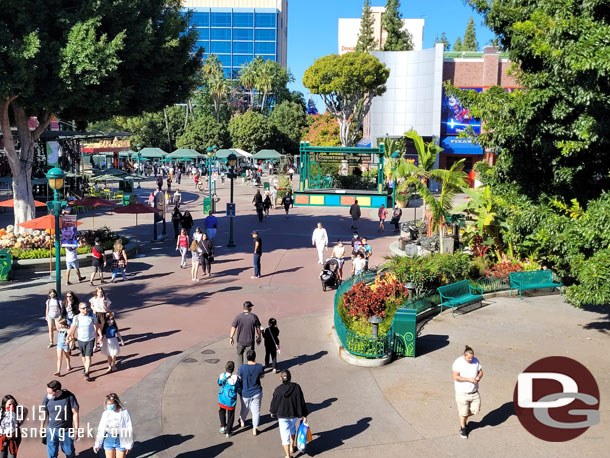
(344, 126)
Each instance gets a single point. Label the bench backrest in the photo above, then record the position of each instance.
(533, 277)
(461, 288)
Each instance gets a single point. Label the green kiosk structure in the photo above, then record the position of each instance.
(326, 190)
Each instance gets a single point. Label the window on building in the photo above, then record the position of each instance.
(222, 47)
(221, 20)
(265, 35)
(265, 48)
(203, 44)
(203, 34)
(243, 19)
(238, 61)
(266, 57)
(225, 61)
(265, 20)
(227, 72)
(221, 34)
(243, 47)
(243, 34)
(235, 73)
(201, 19)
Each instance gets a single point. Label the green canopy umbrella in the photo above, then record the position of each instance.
(114, 172)
(224, 153)
(266, 154)
(127, 153)
(152, 153)
(184, 153)
(107, 177)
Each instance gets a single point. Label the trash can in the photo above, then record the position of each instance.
(405, 332)
(6, 265)
(126, 199)
(207, 205)
(266, 186)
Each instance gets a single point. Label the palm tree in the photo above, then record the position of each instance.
(247, 79)
(426, 152)
(219, 88)
(264, 80)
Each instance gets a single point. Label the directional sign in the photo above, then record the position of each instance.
(231, 209)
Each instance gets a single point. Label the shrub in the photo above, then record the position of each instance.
(502, 270)
(593, 277)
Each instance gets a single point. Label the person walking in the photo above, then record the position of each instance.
(196, 252)
(159, 182)
(115, 430)
(63, 349)
(119, 261)
(12, 415)
(179, 174)
(100, 305)
(72, 264)
(356, 242)
(358, 264)
(383, 214)
(71, 308)
(176, 218)
(339, 254)
(288, 405)
(245, 328)
(59, 411)
(319, 239)
(53, 311)
(286, 201)
(85, 329)
(250, 375)
(98, 260)
(110, 343)
(230, 387)
(272, 343)
(354, 212)
(290, 173)
(207, 255)
(187, 222)
(467, 373)
(267, 203)
(396, 215)
(274, 193)
(182, 245)
(211, 225)
(177, 197)
(258, 253)
(169, 183)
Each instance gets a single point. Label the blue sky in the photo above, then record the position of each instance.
(312, 28)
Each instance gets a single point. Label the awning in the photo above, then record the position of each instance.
(267, 154)
(459, 146)
(152, 153)
(364, 143)
(184, 153)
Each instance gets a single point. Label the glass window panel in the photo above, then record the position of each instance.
(243, 34)
(225, 61)
(265, 20)
(265, 48)
(201, 19)
(221, 20)
(220, 47)
(204, 34)
(238, 61)
(203, 44)
(243, 19)
(221, 34)
(265, 35)
(227, 72)
(235, 73)
(243, 47)
(267, 57)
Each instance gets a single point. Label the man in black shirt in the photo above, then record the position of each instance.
(258, 252)
(354, 212)
(245, 325)
(60, 408)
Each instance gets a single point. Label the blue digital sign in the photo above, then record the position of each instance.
(455, 118)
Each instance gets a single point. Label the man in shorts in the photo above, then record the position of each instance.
(72, 264)
(85, 328)
(467, 372)
(245, 325)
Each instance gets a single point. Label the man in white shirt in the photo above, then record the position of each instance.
(319, 239)
(177, 198)
(467, 372)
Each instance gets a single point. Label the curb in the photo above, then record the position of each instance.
(354, 360)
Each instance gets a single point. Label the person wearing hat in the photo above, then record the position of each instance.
(243, 330)
(258, 252)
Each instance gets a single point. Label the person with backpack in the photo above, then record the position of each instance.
(230, 387)
(176, 218)
(187, 222)
(272, 343)
(98, 260)
(53, 312)
(207, 254)
(85, 329)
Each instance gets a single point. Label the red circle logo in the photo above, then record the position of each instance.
(556, 399)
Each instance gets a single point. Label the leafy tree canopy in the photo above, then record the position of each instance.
(397, 38)
(443, 39)
(470, 42)
(323, 130)
(289, 120)
(347, 83)
(203, 133)
(457, 46)
(366, 38)
(251, 131)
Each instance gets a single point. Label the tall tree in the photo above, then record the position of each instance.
(553, 137)
(366, 37)
(289, 120)
(251, 131)
(347, 84)
(203, 133)
(247, 79)
(457, 46)
(84, 60)
(397, 38)
(443, 39)
(470, 42)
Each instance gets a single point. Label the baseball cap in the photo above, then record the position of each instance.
(254, 232)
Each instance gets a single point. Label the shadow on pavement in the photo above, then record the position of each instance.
(150, 447)
(133, 338)
(495, 417)
(145, 360)
(603, 325)
(429, 343)
(300, 360)
(212, 451)
(313, 407)
(293, 269)
(328, 440)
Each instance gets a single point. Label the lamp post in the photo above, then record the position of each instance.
(375, 320)
(56, 183)
(211, 151)
(139, 166)
(395, 155)
(232, 162)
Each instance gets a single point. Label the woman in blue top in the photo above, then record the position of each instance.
(250, 375)
(110, 345)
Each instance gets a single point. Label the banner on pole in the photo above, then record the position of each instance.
(68, 231)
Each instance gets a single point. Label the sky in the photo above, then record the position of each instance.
(312, 28)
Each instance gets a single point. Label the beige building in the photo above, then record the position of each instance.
(237, 31)
(349, 28)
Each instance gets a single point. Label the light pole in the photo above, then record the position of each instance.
(139, 166)
(231, 161)
(211, 152)
(395, 155)
(56, 183)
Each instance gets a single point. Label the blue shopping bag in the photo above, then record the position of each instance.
(303, 436)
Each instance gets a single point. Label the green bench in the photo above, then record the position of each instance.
(532, 280)
(459, 293)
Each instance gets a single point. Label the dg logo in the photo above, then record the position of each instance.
(556, 399)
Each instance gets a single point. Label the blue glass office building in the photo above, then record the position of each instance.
(238, 35)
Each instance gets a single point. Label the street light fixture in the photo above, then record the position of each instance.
(375, 321)
(232, 162)
(56, 183)
(139, 166)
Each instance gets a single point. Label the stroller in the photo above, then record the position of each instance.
(329, 275)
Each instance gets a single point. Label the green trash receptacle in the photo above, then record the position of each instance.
(207, 205)
(126, 199)
(405, 332)
(6, 265)
(266, 186)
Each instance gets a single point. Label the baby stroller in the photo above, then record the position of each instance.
(329, 275)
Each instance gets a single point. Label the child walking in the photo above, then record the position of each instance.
(53, 311)
(230, 387)
(272, 343)
(110, 344)
(63, 351)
